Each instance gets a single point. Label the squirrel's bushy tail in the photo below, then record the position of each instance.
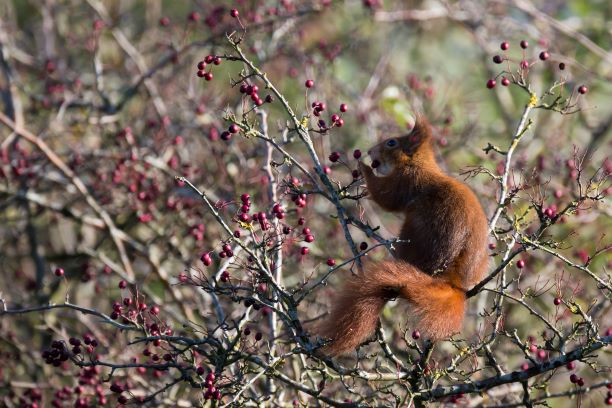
(437, 307)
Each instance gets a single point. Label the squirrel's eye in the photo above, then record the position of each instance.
(391, 143)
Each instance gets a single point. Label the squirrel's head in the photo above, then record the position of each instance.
(414, 149)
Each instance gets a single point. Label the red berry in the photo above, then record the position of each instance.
(363, 246)
(334, 156)
(309, 83)
(562, 66)
(557, 301)
(544, 55)
(122, 284)
(524, 44)
(505, 81)
(208, 76)
(582, 89)
(343, 107)
(416, 335)
(194, 16)
(233, 128)
(571, 365)
(225, 135)
(498, 59)
(201, 74)
(357, 154)
(331, 262)
(304, 251)
(309, 238)
(574, 378)
(164, 21)
(524, 64)
(217, 60)
(234, 13)
(504, 46)
(340, 122)
(206, 259)
(580, 382)
(59, 272)
(491, 83)
(520, 264)
(209, 59)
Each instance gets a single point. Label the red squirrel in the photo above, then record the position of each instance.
(445, 253)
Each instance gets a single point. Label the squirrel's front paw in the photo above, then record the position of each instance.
(365, 170)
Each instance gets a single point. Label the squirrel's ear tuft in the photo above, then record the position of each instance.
(421, 132)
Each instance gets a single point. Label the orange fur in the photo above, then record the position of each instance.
(446, 253)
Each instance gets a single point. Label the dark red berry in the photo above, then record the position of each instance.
(544, 55)
(234, 13)
(208, 76)
(122, 284)
(505, 81)
(331, 262)
(416, 335)
(498, 59)
(557, 301)
(562, 66)
(309, 83)
(234, 128)
(582, 89)
(363, 246)
(343, 107)
(164, 21)
(504, 46)
(59, 272)
(524, 44)
(304, 251)
(334, 157)
(524, 64)
(357, 154)
(491, 83)
(520, 264)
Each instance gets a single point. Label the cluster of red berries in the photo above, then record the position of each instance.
(523, 64)
(252, 91)
(575, 379)
(308, 237)
(226, 251)
(279, 211)
(206, 259)
(210, 59)
(299, 200)
(211, 392)
(258, 335)
(56, 354)
(118, 389)
(134, 308)
(335, 119)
